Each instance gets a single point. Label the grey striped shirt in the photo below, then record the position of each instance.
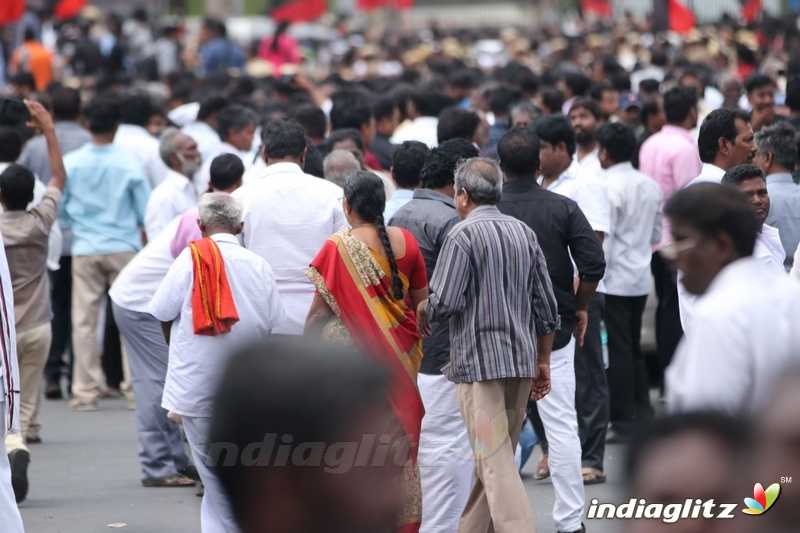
(491, 281)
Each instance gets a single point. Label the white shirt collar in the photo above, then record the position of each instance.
(710, 170)
(225, 237)
(282, 168)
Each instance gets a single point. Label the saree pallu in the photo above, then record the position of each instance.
(356, 285)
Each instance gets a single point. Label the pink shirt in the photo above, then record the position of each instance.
(187, 231)
(671, 158)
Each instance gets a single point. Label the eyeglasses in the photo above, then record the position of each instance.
(671, 251)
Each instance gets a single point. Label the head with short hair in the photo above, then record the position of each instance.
(283, 139)
(556, 144)
(749, 179)
(137, 109)
(313, 121)
(685, 456)
(226, 172)
(712, 226)
(429, 102)
(179, 152)
(387, 114)
(726, 138)
(680, 107)
(16, 187)
(354, 111)
(478, 181)
(518, 151)
(219, 212)
(585, 117)
(607, 98)
(524, 113)
(576, 84)
(776, 148)
(617, 144)
(103, 115)
(10, 144)
(552, 100)
(66, 103)
(407, 162)
(760, 90)
(339, 165)
(210, 108)
(236, 125)
(456, 122)
(440, 165)
(501, 98)
(266, 386)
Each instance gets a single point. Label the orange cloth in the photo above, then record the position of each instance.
(33, 57)
(213, 309)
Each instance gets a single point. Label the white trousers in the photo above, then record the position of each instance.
(10, 520)
(445, 456)
(557, 411)
(216, 515)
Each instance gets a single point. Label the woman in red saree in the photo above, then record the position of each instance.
(369, 280)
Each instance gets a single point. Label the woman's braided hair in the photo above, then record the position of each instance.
(365, 193)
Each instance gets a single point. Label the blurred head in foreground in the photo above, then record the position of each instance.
(303, 440)
(693, 456)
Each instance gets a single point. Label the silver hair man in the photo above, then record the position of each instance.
(481, 178)
(338, 165)
(179, 152)
(779, 140)
(219, 211)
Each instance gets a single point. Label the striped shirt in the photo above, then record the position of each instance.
(491, 281)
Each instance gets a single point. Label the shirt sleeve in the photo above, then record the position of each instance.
(273, 303)
(168, 300)
(187, 231)
(657, 224)
(140, 191)
(47, 210)
(686, 166)
(155, 216)
(593, 201)
(448, 286)
(585, 248)
(544, 304)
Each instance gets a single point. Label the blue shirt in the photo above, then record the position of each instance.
(220, 54)
(104, 200)
(784, 212)
(399, 198)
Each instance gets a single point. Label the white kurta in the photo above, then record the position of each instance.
(288, 215)
(744, 334)
(173, 196)
(138, 142)
(9, 369)
(196, 362)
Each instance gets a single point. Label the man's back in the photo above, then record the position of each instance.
(70, 135)
(671, 158)
(138, 143)
(104, 200)
(288, 215)
(561, 229)
(784, 212)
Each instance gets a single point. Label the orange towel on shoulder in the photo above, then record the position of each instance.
(213, 309)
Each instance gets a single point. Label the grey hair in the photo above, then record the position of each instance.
(528, 107)
(220, 210)
(780, 140)
(339, 165)
(168, 143)
(482, 178)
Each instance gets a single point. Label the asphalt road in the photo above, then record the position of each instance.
(85, 479)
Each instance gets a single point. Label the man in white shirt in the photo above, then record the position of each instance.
(635, 229)
(745, 312)
(203, 129)
(197, 359)
(726, 140)
(585, 117)
(407, 162)
(288, 215)
(750, 180)
(176, 193)
(137, 110)
(236, 125)
(9, 397)
(422, 126)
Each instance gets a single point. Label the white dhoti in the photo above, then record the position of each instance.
(10, 519)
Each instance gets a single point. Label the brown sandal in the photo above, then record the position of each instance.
(170, 481)
(593, 476)
(542, 470)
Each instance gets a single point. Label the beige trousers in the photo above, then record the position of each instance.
(494, 412)
(33, 345)
(92, 275)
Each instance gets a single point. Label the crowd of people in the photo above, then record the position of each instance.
(466, 236)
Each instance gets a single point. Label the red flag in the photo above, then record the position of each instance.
(601, 8)
(681, 18)
(67, 9)
(751, 9)
(369, 5)
(11, 11)
(299, 10)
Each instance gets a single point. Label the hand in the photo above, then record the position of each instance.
(580, 326)
(540, 385)
(40, 118)
(423, 324)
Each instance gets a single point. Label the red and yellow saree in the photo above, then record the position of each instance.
(355, 282)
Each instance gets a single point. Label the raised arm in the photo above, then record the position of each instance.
(41, 120)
